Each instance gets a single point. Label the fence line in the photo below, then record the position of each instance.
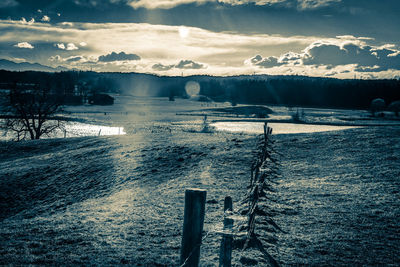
(260, 177)
(259, 184)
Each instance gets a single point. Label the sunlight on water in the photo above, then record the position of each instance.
(83, 129)
(278, 128)
(75, 129)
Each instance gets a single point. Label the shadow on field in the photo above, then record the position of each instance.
(41, 176)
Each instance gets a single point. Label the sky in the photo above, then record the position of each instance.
(324, 38)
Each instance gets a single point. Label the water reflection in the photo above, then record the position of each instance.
(278, 128)
(75, 129)
(82, 129)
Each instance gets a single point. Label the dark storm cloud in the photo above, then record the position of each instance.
(118, 57)
(183, 64)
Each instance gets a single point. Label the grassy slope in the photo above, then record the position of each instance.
(114, 200)
(339, 197)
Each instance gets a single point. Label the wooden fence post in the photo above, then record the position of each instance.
(195, 200)
(225, 252)
(265, 132)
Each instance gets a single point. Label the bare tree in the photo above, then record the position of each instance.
(31, 113)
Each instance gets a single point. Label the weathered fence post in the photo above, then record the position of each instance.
(195, 200)
(265, 132)
(225, 252)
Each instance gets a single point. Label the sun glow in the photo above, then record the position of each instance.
(183, 32)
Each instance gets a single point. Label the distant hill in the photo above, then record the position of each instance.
(25, 66)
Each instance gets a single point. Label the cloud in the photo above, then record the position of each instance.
(71, 46)
(163, 4)
(189, 64)
(267, 62)
(23, 21)
(183, 64)
(56, 58)
(60, 46)
(45, 18)
(314, 4)
(219, 53)
(118, 57)
(67, 23)
(24, 45)
(161, 67)
(8, 3)
(365, 58)
(289, 58)
(68, 47)
(74, 59)
(168, 4)
(157, 42)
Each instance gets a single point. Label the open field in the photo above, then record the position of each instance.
(340, 197)
(119, 199)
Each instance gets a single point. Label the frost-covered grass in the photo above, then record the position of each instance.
(113, 200)
(339, 198)
(119, 199)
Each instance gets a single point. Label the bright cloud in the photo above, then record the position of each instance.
(60, 46)
(68, 47)
(162, 48)
(24, 45)
(24, 21)
(71, 46)
(45, 18)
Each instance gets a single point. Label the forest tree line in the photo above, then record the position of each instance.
(257, 89)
